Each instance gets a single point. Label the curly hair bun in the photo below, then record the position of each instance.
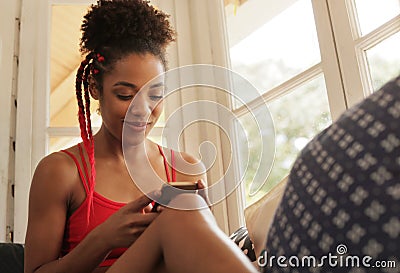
(118, 23)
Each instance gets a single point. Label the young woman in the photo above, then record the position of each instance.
(85, 210)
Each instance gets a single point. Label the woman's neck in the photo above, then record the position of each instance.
(107, 145)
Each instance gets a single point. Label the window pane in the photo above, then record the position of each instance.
(384, 61)
(256, 149)
(282, 47)
(374, 13)
(298, 117)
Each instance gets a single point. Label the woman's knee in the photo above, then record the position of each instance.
(190, 207)
(188, 201)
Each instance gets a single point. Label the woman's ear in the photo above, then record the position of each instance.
(94, 92)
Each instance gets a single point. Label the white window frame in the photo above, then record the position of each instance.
(343, 59)
(328, 65)
(204, 40)
(33, 99)
(351, 54)
(9, 32)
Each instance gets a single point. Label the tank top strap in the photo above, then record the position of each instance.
(85, 166)
(166, 166)
(81, 175)
(173, 165)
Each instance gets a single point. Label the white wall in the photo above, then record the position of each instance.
(9, 12)
(32, 112)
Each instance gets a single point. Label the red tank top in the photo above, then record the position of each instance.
(79, 224)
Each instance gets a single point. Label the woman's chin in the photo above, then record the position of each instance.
(132, 141)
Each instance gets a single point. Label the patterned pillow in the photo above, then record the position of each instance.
(343, 193)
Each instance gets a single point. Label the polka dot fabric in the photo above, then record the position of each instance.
(344, 189)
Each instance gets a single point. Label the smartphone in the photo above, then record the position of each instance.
(184, 185)
(167, 194)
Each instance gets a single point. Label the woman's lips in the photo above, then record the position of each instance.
(137, 126)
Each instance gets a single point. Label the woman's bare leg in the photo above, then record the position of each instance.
(186, 241)
(194, 242)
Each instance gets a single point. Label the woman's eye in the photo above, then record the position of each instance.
(122, 97)
(155, 98)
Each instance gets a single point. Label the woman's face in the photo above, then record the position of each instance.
(121, 87)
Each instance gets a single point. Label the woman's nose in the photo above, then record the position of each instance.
(140, 107)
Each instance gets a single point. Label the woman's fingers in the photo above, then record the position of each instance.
(160, 208)
(148, 208)
(201, 184)
(141, 220)
(142, 202)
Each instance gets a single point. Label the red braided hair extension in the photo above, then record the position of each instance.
(90, 143)
(85, 121)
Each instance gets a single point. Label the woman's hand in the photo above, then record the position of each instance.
(126, 225)
(202, 191)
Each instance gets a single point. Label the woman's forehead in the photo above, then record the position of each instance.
(136, 70)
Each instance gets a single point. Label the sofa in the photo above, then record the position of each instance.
(260, 215)
(11, 258)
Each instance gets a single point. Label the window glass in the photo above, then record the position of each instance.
(373, 13)
(256, 140)
(268, 55)
(298, 117)
(384, 61)
(282, 47)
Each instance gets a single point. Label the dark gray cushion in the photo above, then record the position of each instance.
(11, 258)
(342, 196)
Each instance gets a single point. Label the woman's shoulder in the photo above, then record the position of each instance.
(179, 156)
(57, 168)
(59, 161)
(189, 158)
(189, 167)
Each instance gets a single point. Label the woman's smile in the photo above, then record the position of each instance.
(137, 126)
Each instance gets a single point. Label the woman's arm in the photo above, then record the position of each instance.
(192, 169)
(189, 168)
(51, 192)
